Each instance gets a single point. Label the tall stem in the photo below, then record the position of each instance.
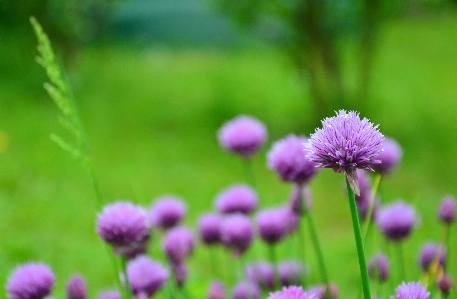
(126, 292)
(274, 262)
(358, 242)
(401, 261)
(249, 171)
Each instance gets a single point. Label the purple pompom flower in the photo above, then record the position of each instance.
(209, 226)
(389, 158)
(246, 290)
(396, 220)
(447, 210)
(346, 143)
(273, 225)
(216, 290)
(178, 244)
(261, 274)
(378, 267)
(431, 251)
(287, 158)
(411, 290)
(237, 233)
(110, 294)
(30, 281)
(167, 211)
(243, 135)
(297, 205)
(290, 273)
(124, 226)
(238, 198)
(145, 275)
(445, 283)
(292, 292)
(76, 287)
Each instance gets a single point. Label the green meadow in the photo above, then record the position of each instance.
(151, 116)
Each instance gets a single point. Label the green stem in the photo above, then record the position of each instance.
(274, 262)
(212, 260)
(401, 262)
(249, 171)
(358, 242)
(126, 293)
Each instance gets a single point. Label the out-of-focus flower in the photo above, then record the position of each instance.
(345, 142)
(378, 267)
(30, 281)
(396, 220)
(261, 274)
(411, 290)
(273, 225)
(238, 198)
(389, 158)
(447, 209)
(178, 244)
(76, 287)
(209, 226)
(445, 283)
(246, 290)
(237, 233)
(110, 294)
(145, 275)
(292, 292)
(297, 205)
(290, 273)
(243, 135)
(431, 251)
(216, 290)
(319, 291)
(167, 211)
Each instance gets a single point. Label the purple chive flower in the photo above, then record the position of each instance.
(378, 267)
(396, 220)
(290, 273)
(363, 207)
(178, 244)
(30, 281)
(389, 158)
(110, 294)
(295, 203)
(124, 226)
(292, 292)
(76, 287)
(431, 251)
(167, 211)
(318, 291)
(242, 135)
(411, 290)
(364, 185)
(287, 158)
(145, 275)
(447, 210)
(261, 274)
(238, 198)
(445, 283)
(273, 225)
(246, 290)
(209, 226)
(180, 273)
(237, 233)
(216, 290)
(346, 143)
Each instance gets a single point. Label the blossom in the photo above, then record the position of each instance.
(109, 294)
(237, 233)
(447, 209)
(292, 292)
(297, 202)
(124, 226)
(261, 274)
(209, 226)
(238, 198)
(167, 211)
(243, 135)
(246, 290)
(287, 158)
(445, 284)
(216, 290)
(145, 275)
(273, 225)
(345, 143)
(411, 290)
(76, 287)
(319, 291)
(431, 251)
(178, 244)
(389, 158)
(290, 272)
(180, 273)
(378, 267)
(396, 220)
(30, 281)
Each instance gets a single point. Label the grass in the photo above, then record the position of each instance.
(151, 117)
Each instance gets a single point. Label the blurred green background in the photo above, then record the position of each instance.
(154, 80)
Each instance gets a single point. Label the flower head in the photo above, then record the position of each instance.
(431, 251)
(216, 290)
(209, 226)
(319, 291)
(346, 143)
(76, 287)
(447, 209)
(178, 244)
(292, 292)
(238, 198)
(180, 273)
(110, 294)
(273, 224)
(411, 290)
(396, 220)
(445, 284)
(124, 226)
(167, 211)
(378, 267)
(389, 158)
(237, 233)
(297, 202)
(30, 281)
(261, 274)
(287, 158)
(243, 135)
(246, 290)
(290, 272)
(145, 275)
